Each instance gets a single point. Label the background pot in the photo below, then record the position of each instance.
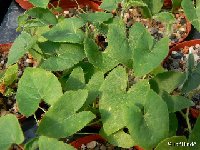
(93, 137)
(25, 4)
(195, 113)
(64, 4)
(188, 30)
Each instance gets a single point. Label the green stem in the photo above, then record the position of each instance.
(93, 123)
(186, 116)
(188, 121)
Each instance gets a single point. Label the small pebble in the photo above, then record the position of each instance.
(91, 144)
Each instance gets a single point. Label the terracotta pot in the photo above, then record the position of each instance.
(4, 48)
(195, 113)
(188, 29)
(64, 4)
(94, 137)
(25, 4)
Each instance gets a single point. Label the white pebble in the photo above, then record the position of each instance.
(182, 29)
(191, 49)
(92, 144)
(197, 45)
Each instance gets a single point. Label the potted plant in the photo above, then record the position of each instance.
(187, 61)
(159, 21)
(116, 82)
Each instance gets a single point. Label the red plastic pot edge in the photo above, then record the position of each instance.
(5, 47)
(195, 113)
(25, 4)
(93, 137)
(181, 45)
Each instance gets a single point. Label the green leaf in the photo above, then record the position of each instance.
(165, 17)
(62, 116)
(49, 48)
(118, 47)
(145, 127)
(194, 136)
(40, 3)
(176, 4)
(167, 81)
(76, 80)
(35, 85)
(68, 56)
(68, 30)
(135, 3)
(146, 55)
(32, 144)
(176, 103)
(10, 132)
(43, 15)
(168, 143)
(93, 87)
(52, 144)
(173, 124)
(193, 80)
(192, 13)
(97, 17)
(154, 5)
(10, 75)
(20, 46)
(110, 4)
(119, 139)
(112, 102)
(99, 59)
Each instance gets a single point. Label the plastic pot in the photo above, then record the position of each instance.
(93, 137)
(64, 4)
(188, 29)
(195, 113)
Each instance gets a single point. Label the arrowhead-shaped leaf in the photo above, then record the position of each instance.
(68, 55)
(118, 47)
(63, 117)
(154, 5)
(53, 144)
(68, 30)
(20, 46)
(40, 3)
(146, 55)
(167, 81)
(10, 132)
(144, 121)
(176, 103)
(37, 84)
(192, 13)
(43, 15)
(112, 102)
(99, 59)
